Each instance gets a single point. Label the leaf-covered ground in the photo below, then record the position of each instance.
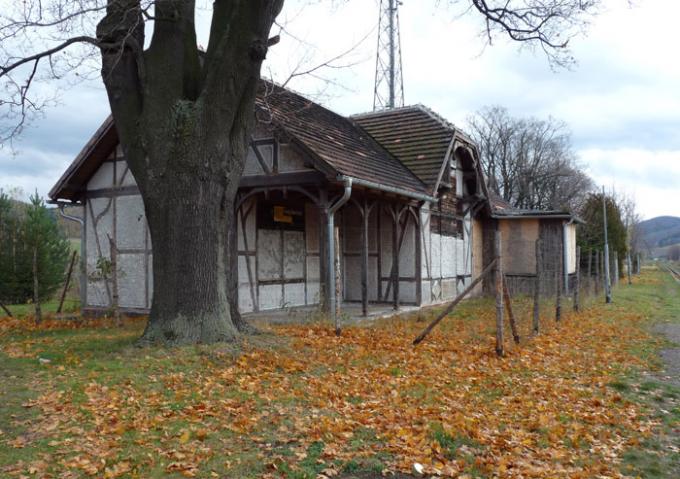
(299, 402)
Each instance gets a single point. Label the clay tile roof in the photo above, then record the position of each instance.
(335, 139)
(416, 135)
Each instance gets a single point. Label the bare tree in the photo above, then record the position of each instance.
(529, 162)
(674, 253)
(183, 118)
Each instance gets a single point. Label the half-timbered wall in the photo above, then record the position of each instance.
(114, 212)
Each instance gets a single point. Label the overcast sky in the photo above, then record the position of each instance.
(621, 101)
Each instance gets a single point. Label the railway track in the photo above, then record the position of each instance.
(673, 271)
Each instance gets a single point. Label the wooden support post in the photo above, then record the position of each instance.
(490, 267)
(537, 288)
(338, 279)
(628, 268)
(419, 259)
(558, 291)
(597, 273)
(508, 307)
(577, 285)
(364, 258)
(7, 311)
(36, 292)
(639, 264)
(395, 257)
(498, 281)
(590, 272)
(66, 284)
(114, 282)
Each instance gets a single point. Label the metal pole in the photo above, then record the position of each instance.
(607, 283)
(393, 78)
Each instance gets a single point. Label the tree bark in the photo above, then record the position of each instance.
(184, 126)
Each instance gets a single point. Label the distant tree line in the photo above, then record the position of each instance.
(33, 251)
(529, 162)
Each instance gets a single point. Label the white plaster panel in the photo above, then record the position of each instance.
(130, 223)
(293, 254)
(252, 166)
(407, 292)
(436, 247)
(373, 278)
(312, 268)
(427, 295)
(312, 227)
(96, 293)
(245, 300)
(271, 297)
(294, 294)
(247, 243)
(448, 256)
(131, 280)
(269, 249)
(449, 290)
(386, 244)
(97, 237)
(119, 150)
(353, 224)
(313, 292)
(103, 177)
(243, 268)
(407, 255)
(290, 158)
(352, 278)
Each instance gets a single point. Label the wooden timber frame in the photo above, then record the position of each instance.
(402, 212)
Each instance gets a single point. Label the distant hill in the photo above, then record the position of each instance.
(660, 232)
(70, 228)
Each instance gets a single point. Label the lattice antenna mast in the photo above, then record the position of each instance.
(389, 82)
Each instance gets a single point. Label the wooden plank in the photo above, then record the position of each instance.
(365, 212)
(511, 315)
(537, 288)
(498, 282)
(454, 303)
(68, 281)
(4, 308)
(558, 289)
(283, 179)
(577, 285)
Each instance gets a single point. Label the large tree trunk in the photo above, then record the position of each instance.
(189, 234)
(183, 121)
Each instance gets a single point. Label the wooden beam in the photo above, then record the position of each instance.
(498, 277)
(68, 281)
(508, 307)
(283, 179)
(537, 288)
(454, 303)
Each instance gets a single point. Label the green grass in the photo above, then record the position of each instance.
(20, 310)
(657, 297)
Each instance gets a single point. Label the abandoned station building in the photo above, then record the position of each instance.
(403, 187)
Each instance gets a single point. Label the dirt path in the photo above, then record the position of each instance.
(670, 356)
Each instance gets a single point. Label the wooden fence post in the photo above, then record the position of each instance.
(537, 288)
(337, 279)
(558, 291)
(453, 303)
(597, 272)
(628, 268)
(114, 282)
(589, 284)
(508, 306)
(7, 311)
(499, 294)
(36, 292)
(577, 286)
(66, 284)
